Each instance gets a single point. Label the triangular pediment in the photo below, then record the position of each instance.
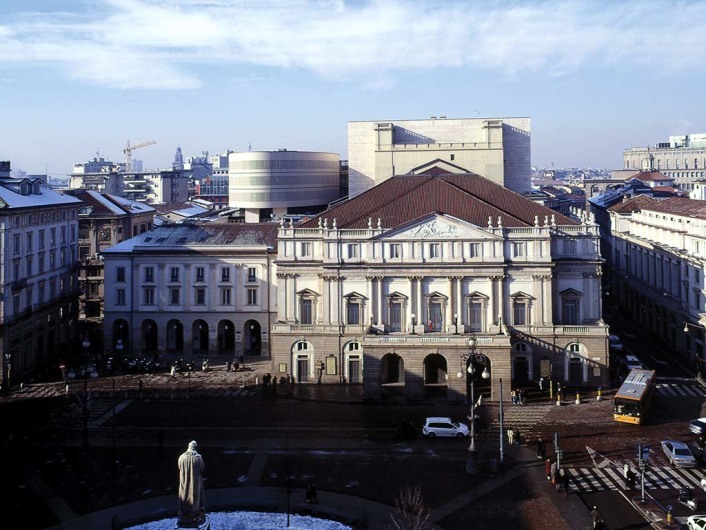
(439, 226)
(438, 166)
(355, 295)
(521, 294)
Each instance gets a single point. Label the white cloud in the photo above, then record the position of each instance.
(156, 43)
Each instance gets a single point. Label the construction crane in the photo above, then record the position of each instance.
(128, 153)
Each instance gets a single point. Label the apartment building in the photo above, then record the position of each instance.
(655, 252)
(38, 277)
(189, 289)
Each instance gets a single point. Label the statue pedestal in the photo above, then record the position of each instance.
(206, 525)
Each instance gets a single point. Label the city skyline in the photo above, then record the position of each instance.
(79, 79)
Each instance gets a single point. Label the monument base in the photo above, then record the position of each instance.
(205, 525)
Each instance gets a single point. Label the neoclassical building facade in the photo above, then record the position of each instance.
(393, 288)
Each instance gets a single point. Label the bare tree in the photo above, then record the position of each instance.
(410, 512)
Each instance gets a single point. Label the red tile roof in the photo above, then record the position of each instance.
(635, 204)
(680, 206)
(469, 197)
(650, 176)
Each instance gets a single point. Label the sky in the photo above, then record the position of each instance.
(81, 78)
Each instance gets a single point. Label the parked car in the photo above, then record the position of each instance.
(633, 362)
(696, 522)
(615, 342)
(698, 426)
(441, 426)
(678, 453)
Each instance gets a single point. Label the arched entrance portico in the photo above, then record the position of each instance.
(175, 337)
(436, 376)
(252, 338)
(199, 334)
(149, 336)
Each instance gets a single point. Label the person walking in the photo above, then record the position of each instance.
(565, 481)
(541, 451)
(511, 437)
(597, 518)
(548, 468)
(541, 384)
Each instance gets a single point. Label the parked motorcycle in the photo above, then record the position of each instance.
(686, 497)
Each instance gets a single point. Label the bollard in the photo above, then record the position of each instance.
(598, 394)
(578, 398)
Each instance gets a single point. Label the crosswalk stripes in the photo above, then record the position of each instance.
(586, 479)
(678, 390)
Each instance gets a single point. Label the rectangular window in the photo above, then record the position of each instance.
(174, 295)
(200, 296)
(17, 245)
(305, 312)
(518, 249)
(474, 250)
(29, 241)
(570, 312)
(353, 313)
(305, 249)
(63, 235)
(41, 262)
(174, 274)
(41, 240)
(52, 237)
(200, 274)
(251, 296)
(120, 297)
(29, 266)
(476, 321)
(395, 317)
(519, 313)
(352, 250)
(395, 251)
(120, 274)
(225, 274)
(225, 296)
(149, 274)
(148, 296)
(434, 250)
(252, 274)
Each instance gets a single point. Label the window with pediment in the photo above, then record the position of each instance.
(307, 306)
(436, 312)
(570, 307)
(476, 309)
(396, 304)
(354, 308)
(521, 306)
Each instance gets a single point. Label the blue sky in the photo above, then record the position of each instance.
(79, 77)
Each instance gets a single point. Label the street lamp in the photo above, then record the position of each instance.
(414, 322)
(86, 345)
(8, 363)
(475, 365)
(455, 324)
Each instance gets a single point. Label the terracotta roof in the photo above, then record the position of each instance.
(650, 176)
(635, 204)
(468, 196)
(680, 206)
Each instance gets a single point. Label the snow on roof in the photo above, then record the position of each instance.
(47, 197)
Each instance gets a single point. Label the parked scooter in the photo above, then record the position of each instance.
(686, 497)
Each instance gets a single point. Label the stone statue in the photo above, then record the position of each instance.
(192, 511)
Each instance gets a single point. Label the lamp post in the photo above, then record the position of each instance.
(414, 323)
(8, 364)
(86, 345)
(455, 324)
(475, 366)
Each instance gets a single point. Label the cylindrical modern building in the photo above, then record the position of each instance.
(281, 182)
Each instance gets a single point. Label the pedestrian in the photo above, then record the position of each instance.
(630, 479)
(511, 437)
(565, 481)
(229, 365)
(522, 397)
(541, 452)
(557, 479)
(311, 496)
(518, 437)
(173, 371)
(548, 468)
(541, 384)
(553, 472)
(242, 360)
(513, 397)
(626, 469)
(597, 518)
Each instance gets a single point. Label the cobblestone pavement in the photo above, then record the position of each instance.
(105, 475)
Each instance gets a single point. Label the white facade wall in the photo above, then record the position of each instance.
(498, 149)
